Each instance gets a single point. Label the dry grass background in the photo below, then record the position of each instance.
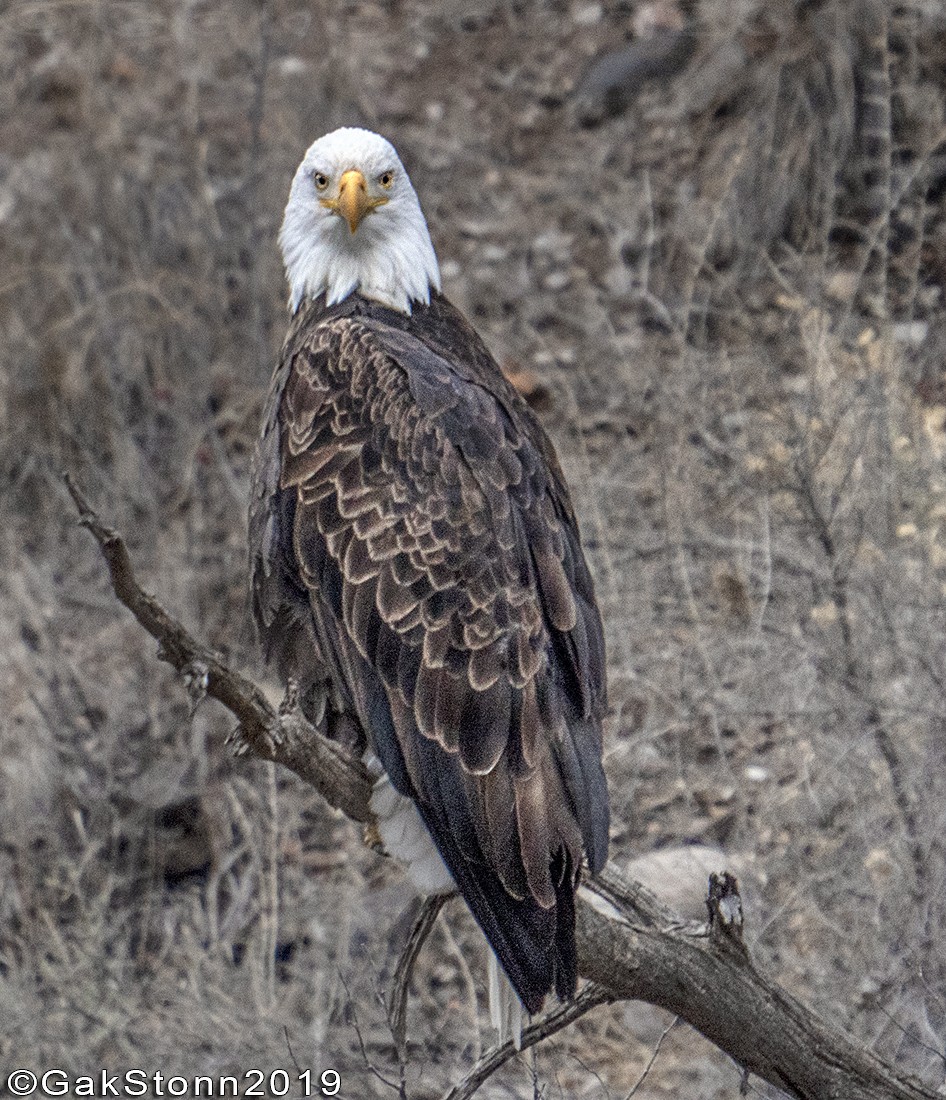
(754, 437)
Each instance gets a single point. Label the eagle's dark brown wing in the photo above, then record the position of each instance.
(421, 519)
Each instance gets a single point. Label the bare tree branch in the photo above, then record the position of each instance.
(629, 945)
(285, 736)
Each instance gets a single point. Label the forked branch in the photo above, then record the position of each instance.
(629, 945)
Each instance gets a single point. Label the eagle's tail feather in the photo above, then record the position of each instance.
(505, 1008)
(535, 943)
(535, 946)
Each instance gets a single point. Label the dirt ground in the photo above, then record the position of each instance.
(728, 298)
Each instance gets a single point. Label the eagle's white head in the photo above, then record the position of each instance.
(353, 222)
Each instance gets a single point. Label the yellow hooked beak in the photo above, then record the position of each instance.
(353, 201)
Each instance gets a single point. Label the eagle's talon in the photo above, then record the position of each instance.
(371, 837)
(196, 677)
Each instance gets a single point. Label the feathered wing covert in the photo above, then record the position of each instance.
(413, 546)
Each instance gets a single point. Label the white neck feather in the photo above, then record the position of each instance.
(389, 258)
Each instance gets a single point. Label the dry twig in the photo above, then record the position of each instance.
(397, 1005)
(562, 1016)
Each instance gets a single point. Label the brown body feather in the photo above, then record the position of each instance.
(414, 555)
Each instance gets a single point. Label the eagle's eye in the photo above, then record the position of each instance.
(321, 180)
(386, 178)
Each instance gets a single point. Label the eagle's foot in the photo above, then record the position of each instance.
(239, 743)
(372, 839)
(290, 699)
(196, 676)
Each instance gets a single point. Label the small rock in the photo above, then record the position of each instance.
(587, 15)
(911, 332)
(826, 613)
(842, 286)
(495, 253)
(293, 66)
(557, 280)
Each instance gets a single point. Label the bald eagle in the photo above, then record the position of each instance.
(416, 568)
